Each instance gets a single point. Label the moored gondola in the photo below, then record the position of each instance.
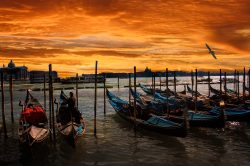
(70, 122)
(33, 122)
(146, 120)
(196, 119)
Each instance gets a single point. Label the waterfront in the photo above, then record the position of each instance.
(117, 144)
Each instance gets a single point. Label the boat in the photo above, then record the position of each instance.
(204, 80)
(230, 80)
(157, 103)
(33, 122)
(215, 91)
(229, 91)
(202, 102)
(239, 114)
(144, 120)
(190, 90)
(203, 118)
(82, 79)
(195, 118)
(70, 123)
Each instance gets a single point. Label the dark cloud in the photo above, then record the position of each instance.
(30, 52)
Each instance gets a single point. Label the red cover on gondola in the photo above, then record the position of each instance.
(34, 115)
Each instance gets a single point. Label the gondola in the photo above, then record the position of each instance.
(196, 119)
(229, 91)
(33, 123)
(190, 90)
(239, 114)
(70, 123)
(202, 103)
(144, 120)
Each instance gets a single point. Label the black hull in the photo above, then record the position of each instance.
(213, 123)
(238, 118)
(178, 132)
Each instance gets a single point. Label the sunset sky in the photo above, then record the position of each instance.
(120, 34)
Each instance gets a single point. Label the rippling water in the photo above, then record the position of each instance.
(118, 144)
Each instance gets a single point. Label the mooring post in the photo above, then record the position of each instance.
(220, 85)
(167, 81)
(238, 85)
(196, 76)
(192, 82)
(175, 83)
(3, 106)
(235, 89)
(225, 82)
(249, 83)
(154, 85)
(118, 82)
(160, 81)
(244, 83)
(95, 102)
(104, 94)
(11, 96)
(44, 91)
(77, 100)
(129, 85)
(209, 84)
(52, 102)
(167, 92)
(135, 98)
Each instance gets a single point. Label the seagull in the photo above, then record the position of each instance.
(211, 51)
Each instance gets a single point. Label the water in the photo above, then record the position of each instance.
(117, 144)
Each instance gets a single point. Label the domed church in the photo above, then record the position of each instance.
(18, 73)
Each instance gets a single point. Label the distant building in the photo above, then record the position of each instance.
(37, 76)
(146, 73)
(18, 73)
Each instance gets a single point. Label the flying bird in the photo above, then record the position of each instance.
(211, 51)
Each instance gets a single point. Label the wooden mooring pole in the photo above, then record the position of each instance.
(160, 81)
(209, 90)
(118, 82)
(235, 89)
(77, 100)
(104, 94)
(154, 84)
(175, 83)
(196, 75)
(220, 85)
(192, 82)
(238, 85)
(135, 98)
(3, 106)
(225, 82)
(44, 91)
(129, 85)
(52, 102)
(50, 105)
(167, 92)
(244, 83)
(11, 96)
(249, 83)
(95, 100)
(167, 81)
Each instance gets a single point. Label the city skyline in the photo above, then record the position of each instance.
(120, 34)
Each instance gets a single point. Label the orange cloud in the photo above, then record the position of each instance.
(120, 34)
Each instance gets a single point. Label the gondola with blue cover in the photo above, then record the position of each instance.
(145, 120)
(196, 119)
